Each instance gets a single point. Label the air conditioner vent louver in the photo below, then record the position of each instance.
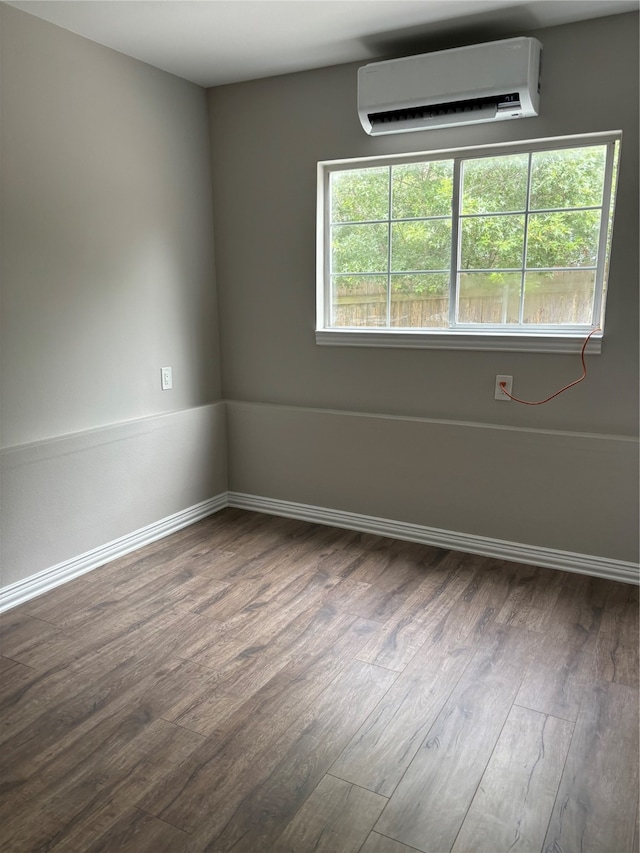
(452, 109)
(467, 85)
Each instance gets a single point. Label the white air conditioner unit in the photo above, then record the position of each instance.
(484, 82)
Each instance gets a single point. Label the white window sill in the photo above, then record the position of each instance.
(551, 342)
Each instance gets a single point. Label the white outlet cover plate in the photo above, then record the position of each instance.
(166, 378)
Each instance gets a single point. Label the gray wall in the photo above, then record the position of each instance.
(107, 272)
(556, 486)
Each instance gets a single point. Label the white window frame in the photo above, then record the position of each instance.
(537, 338)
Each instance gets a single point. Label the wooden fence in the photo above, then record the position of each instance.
(369, 310)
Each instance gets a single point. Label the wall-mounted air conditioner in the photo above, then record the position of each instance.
(484, 82)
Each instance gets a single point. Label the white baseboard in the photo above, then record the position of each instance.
(21, 591)
(567, 561)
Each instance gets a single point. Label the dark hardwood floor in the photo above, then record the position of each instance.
(256, 684)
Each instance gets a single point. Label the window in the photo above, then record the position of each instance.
(498, 247)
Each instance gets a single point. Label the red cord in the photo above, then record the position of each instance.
(566, 387)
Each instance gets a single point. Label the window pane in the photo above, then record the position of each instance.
(394, 258)
(495, 184)
(360, 195)
(421, 245)
(563, 239)
(420, 301)
(422, 189)
(489, 298)
(559, 297)
(492, 242)
(359, 248)
(359, 301)
(570, 178)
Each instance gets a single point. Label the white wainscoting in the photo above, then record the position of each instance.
(566, 493)
(78, 499)
(24, 590)
(566, 501)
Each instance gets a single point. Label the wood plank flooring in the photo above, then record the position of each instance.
(264, 685)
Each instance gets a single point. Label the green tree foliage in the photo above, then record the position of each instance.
(419, 285)
(361, 195)
(420, 195)
(421, 245)
(569, 178)
(495, 184)
(360, 248)
(422, 189)
(559, 179)
(563, 239)
(492, 242)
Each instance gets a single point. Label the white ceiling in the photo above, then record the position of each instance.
(212, 42)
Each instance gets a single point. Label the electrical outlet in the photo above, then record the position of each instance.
(166, 378)
(508, 384)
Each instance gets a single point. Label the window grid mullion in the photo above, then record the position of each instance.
(525, 241)
(512, 269)
(395, 219)
(328, 257)
(403, 272)
(455, 243)
(390, 211)
(523, 212)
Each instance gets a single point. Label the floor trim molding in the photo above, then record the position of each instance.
(567, 561)
(24, 590)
